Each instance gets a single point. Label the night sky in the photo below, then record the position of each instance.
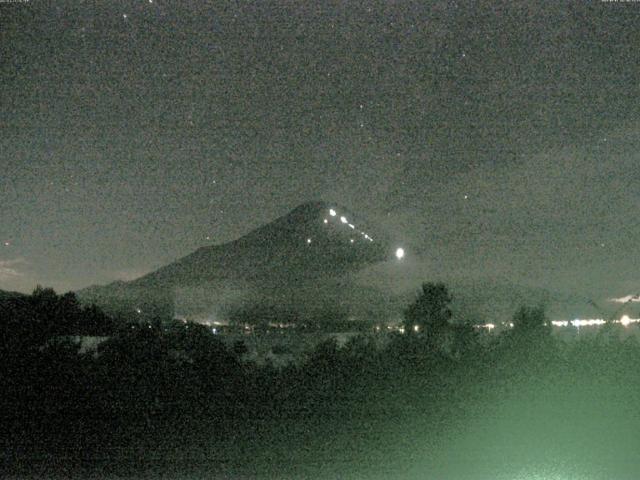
(493, 138)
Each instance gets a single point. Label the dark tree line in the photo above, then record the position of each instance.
(158, 396)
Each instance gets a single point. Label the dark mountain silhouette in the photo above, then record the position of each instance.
(301, 260)
(299, 245)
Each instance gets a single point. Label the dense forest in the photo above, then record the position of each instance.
(171, 400)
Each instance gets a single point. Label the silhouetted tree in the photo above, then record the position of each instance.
(429, 314)
(44, 302)
(94, 321)
(464, 340)
(530, 347)
(530, 320)
(240, 348)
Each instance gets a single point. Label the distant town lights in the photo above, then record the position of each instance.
(343, 220)
(332, 212)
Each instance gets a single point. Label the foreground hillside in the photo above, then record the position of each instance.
(176, 403)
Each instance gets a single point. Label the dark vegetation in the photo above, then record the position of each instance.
(171, 399)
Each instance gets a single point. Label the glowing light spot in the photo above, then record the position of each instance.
(589, 322)
(124, 15)
(625, 320)
(308, 240)
(350, 225)
(332, 212)
(343, 219)
(352, 240)
(400, 253)
(416, 328)
(326, 221)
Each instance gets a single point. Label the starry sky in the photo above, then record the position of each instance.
(494, 138)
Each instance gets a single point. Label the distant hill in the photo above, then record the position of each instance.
(7, 295)
(483, 299)
(488, 300)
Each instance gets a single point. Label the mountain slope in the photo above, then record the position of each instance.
(308, 242)
(313, 245)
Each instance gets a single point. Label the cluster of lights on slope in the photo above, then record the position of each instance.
(333, 213)
(343, 219)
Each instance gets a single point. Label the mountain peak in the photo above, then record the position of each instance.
(315, 239)
(316, 243)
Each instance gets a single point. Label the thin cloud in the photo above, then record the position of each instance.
(8, 270)
(627, 299)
